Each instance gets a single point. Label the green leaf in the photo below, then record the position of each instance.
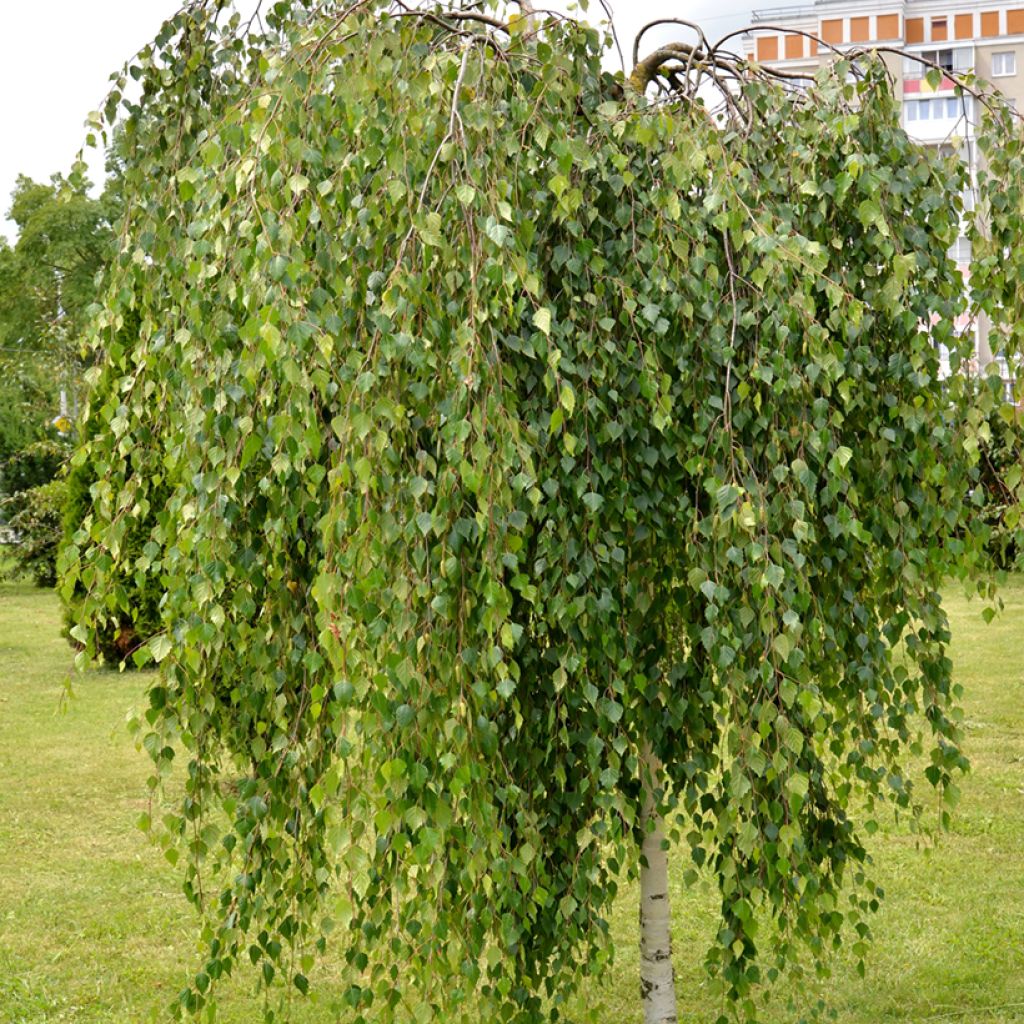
(783, 645)
(160, 647)
(430, 231)
(363, 469)
(253, 443)
(542, 320)
(797, 785)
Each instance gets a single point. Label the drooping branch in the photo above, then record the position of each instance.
(712, 60)
(446, 16)
(666, 21)
(701, 60)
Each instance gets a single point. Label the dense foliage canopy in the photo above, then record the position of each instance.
(519, 445)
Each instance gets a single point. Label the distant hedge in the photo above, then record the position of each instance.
(36, 464)
(1002, 461)
(31, 500)
(34, 516)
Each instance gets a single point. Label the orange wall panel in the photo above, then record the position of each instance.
(888, 26)
(832, 30)
(915, 30)
(940, 29)
(990, 24)
(963, 26)
(814, 47)
(1015, 22)
(859, 30)
(794, 47)
(768, 48)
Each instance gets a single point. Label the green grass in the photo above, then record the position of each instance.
(94, 930)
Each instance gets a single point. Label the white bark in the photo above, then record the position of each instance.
(657, 978)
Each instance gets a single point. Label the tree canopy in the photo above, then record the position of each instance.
(49, 274)
(47, 283)
(545, 459)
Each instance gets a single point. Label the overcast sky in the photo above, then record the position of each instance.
(56, 57)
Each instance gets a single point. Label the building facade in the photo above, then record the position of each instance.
(984, 37)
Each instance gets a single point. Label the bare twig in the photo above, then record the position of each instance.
(606, 7)
(444, 16)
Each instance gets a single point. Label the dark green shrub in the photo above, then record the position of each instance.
(34, 517)
(35, 464)
(1002, 461)
(122, 634)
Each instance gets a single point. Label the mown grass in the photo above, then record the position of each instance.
(94, 930)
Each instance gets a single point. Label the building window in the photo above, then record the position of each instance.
(961, 251)
(956, 58)
(944, 58)
(1004, 64)
(942, 108)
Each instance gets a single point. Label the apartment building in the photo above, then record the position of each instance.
(985, 37)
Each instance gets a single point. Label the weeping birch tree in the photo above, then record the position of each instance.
(561, 485)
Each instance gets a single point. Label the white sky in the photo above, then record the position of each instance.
(56, 57)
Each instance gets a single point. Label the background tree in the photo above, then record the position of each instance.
(28, 392)
(544, 476)
(49, 278)
(47, 283)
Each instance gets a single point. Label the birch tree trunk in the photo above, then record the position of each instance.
(657, 978)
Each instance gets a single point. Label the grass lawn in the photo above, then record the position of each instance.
(93, 927)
